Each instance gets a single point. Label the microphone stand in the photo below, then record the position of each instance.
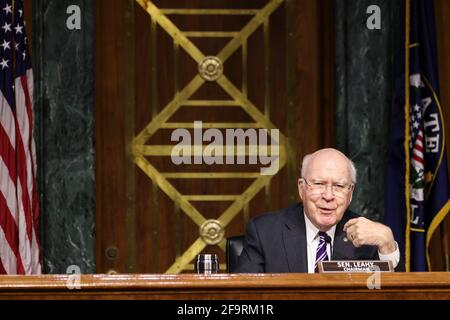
(328, 241)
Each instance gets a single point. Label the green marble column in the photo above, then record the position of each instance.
(364, 93)
(63, 64)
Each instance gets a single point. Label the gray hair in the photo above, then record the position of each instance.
(352, 167)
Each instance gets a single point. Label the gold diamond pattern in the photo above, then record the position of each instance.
(139, 148)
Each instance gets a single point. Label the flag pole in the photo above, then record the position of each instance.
(407, 138)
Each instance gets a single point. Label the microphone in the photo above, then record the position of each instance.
(328, 241)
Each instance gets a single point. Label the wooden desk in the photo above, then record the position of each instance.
(228, 286)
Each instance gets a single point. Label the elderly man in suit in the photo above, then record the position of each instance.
(296, 238)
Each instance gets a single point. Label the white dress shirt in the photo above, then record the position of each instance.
(312, 240)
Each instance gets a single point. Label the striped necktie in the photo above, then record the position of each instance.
(321, 253)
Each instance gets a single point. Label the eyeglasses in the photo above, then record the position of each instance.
(319, 187)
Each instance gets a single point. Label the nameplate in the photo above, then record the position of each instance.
(350, 266)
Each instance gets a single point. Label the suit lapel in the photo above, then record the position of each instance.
(294, 237)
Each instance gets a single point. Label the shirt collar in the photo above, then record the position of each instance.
(311, 231)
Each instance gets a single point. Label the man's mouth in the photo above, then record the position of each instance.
(327, 210)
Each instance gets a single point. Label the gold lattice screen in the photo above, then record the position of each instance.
(211, 69)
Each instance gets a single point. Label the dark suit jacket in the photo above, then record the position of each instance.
(276, 243)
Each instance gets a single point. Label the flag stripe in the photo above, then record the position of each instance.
(7, 153)
(418, 159)
(418, 147)
(23, 99)
(22, 194)
(7, 120)
(7, 257)
(9, 217)
(9, 247)
(2, 269)
(25, 168)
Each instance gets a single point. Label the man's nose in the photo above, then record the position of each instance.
(328, 193)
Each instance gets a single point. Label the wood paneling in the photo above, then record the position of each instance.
(315, 67)
(110, 144)
(394, 286)
(162, 231)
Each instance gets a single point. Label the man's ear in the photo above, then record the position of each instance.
(300, 188)
(351, 195)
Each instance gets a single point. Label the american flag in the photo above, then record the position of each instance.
(19, 208)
